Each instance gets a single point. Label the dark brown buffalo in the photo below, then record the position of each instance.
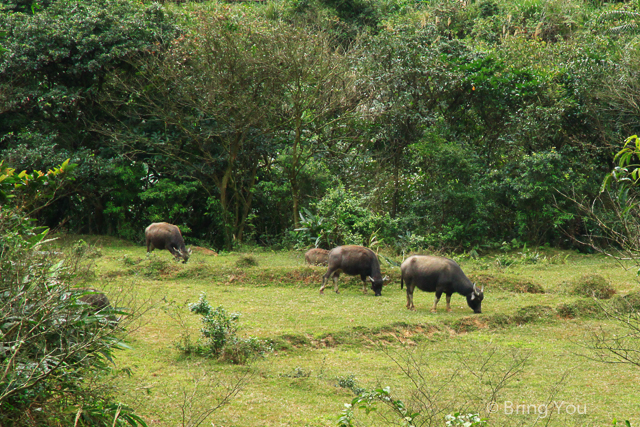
(96, 299)
(316, 256)
(162, 235)
(354, 260)
(442, 276)
(97, 302)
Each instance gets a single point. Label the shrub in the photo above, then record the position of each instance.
(466, 420)
(593, 285)
(52, 341)
(350, 382)
(341, 219)
(219, 330)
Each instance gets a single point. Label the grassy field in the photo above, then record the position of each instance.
(327, 346)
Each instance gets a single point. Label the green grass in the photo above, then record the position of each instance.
(319, 339)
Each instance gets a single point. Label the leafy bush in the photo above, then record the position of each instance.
(341, 218)
(350, 382)
(368, 400)
(593, 285)
(465, 420)
(219, 330)
(52, 341)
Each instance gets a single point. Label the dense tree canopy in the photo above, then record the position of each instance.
(447, 124)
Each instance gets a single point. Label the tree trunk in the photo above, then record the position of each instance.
(293, 172)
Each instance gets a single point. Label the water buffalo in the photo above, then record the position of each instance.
(440, 275)
(162, 235)
(316, 256)
(354, 260)
(96, 299)
(97, 303)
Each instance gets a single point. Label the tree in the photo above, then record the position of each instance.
(319, 96)
(59, 54)
(51, 339)
(223, 102)
(398, 73)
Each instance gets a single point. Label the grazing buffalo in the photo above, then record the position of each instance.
(354, 260)
(439, 275)
(162, 235)
(96, 302)
(96, 299)
(316, 256)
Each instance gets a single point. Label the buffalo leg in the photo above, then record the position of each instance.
(325, 279)
(335, 282)
(364, 284)
(448, 302)
(435, 303)
(410, 305)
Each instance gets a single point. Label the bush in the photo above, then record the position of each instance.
(219, 330)
(593, 285)
(350, 382)
(52, 341)
(466, 420)
(340, 219)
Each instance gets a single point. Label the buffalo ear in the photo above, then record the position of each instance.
(473, 295)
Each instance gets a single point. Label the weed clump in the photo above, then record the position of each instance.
(509, 284)
(593, 285)
(522, 287)
(578, 308)
(350, 383)
(246, 261)
(296, 373)
(219, 340)
(628, 303)
(531, 313)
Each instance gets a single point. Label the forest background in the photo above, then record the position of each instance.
(457, 125)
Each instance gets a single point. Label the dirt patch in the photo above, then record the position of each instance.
(469, 324)
(306, 276)
(204, 251)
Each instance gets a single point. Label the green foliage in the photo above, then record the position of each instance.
(351, 383)
(27, 190)
(369, 400)
(627, 169)
(60, 56)
(52, 340)
(218, 326)
(458, 125)
(465, 420)
(341, 218)
(168, 201)
(219, 330)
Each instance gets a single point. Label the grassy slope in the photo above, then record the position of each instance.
(321, 338)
